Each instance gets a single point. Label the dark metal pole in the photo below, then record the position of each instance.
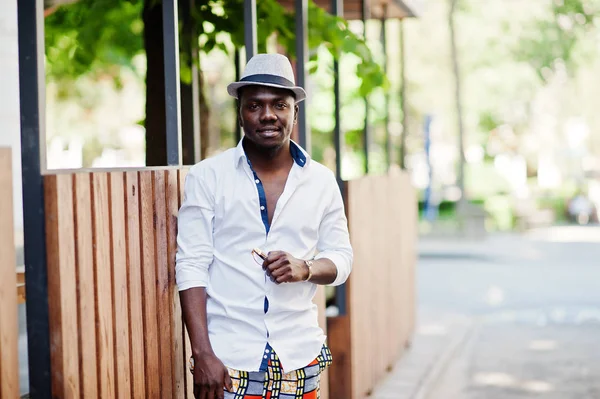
(170, 26)
(301, 58)
(190, 94)
(250, 28)
(337, 9)
(403, 99)
(238, 74)
(366, 131)
(32, 83)
(388, 144)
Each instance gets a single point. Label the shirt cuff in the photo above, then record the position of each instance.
(189, 276)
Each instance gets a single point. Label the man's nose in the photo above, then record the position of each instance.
(268, 114)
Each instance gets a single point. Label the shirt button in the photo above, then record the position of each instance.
(265, 357)
(266, 351)
(262, 208)
(257, 181)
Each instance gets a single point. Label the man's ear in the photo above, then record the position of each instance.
(296, 111)
(239, 113)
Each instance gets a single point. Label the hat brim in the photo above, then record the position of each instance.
(233, 88)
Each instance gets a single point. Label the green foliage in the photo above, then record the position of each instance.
(100, 36)
(324, 29)
(93, 36)
(553, 40)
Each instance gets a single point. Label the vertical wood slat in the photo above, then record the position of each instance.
(163, 302)
(177, 343)
(86, 301)
(9, 327)
(320, 301)
(189, 382)
(120, 289)
(104, 289)
(62, 287)
(152, 359)
(136, 293)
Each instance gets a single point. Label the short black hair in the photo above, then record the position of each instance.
(240, 91)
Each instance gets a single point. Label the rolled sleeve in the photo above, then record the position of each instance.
(334, 238)
(194, 233)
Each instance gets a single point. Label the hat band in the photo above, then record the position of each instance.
(266, 78)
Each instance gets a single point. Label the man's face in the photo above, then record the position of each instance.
(267, 115)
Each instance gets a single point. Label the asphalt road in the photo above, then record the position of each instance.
(535, 300)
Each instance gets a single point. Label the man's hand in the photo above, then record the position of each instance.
(284, 268)
(210, 377)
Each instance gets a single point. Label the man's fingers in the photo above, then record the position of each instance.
(228, 382)
(273, 256)
(284, 279)
(203, 392)
(274, 268)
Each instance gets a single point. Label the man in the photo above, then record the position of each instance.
(252, 324)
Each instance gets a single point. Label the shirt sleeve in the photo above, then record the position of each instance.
(194, 233)
(334, 239)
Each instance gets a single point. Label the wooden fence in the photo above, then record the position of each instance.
(115, 321)
(370, 338)
(9, 327)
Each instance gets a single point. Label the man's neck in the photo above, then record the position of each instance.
(268, 160)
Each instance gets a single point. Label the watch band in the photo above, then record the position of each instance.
(309, 264)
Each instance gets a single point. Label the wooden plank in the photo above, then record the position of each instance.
(320, 300)
(134, 264)
(189, 382)
(340, 372)
(152, 360)
(62, 286)
(177, 343)
(86, 303)
(163, 302)
(120, 294)
(104, 281)
(9, 326)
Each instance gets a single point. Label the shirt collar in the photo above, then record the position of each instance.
(300, 156)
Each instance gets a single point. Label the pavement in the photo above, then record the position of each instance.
(505, 317)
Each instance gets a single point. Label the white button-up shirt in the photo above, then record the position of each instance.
(223, 216)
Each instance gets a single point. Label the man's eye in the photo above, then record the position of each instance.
(252, 106)
(282, 105)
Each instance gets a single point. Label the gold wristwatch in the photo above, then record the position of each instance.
(309, 264)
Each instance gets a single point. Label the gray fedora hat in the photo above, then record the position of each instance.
(273, 70)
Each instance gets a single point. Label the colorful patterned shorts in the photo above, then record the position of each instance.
(272, 384)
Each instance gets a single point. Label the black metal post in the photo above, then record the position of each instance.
(238, 74)
(171, 63)
(301, 58)
(337, 9)
(366, 131)
(388, 144)
(403, 99)
(190, 94)
(250, 28)
(32, 92)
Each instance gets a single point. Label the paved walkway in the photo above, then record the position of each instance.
(437, 338)
(507, 317)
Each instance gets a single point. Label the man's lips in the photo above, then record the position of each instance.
(268, 132)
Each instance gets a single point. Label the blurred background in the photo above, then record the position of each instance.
(491, 106)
